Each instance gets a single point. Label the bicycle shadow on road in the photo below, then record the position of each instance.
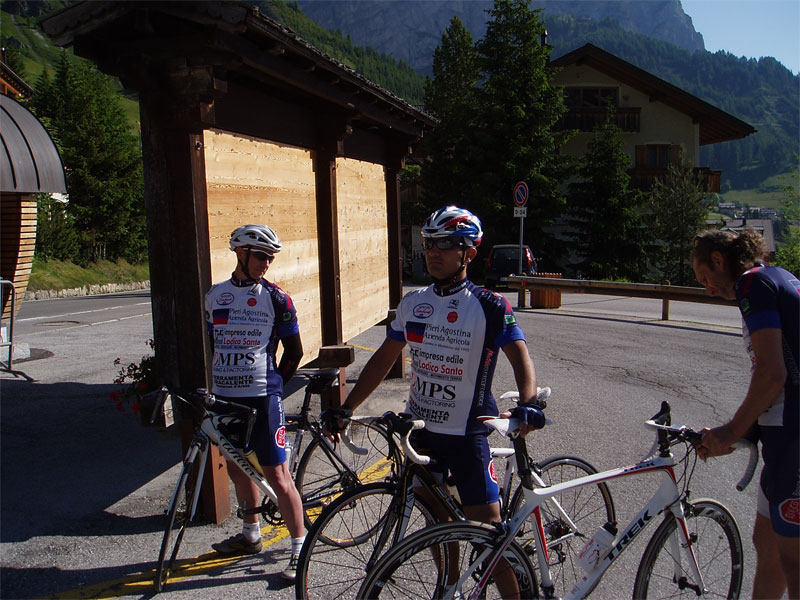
(67, 456)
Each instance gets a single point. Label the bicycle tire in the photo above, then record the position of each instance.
(178, 518)
(717, 545)
(320, 480)
(421, 564)
(589, 507)
(342, 540)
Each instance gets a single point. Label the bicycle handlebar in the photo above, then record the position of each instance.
(403, 425)
(542, 394)
(681, 433)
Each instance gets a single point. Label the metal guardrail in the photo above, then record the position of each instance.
(638, 290)
(10, 342)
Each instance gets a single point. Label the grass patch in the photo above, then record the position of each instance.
(59, 275)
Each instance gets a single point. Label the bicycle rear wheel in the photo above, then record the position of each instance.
(664, 570)
(178, 517)
(588, 507)
(348, 536)
(320, 478)
(449, 560)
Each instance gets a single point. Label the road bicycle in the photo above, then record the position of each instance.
(321, 471)
(350, 535)
(695, 550)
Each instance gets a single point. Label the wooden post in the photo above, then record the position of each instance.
(330, 297)
(180, 272)
(665, 309)
(392, 171)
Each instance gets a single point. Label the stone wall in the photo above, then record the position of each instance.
(87, 290)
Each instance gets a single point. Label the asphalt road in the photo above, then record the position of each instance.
(83, 487)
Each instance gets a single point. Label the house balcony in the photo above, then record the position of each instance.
(587, 118)
(644, 178)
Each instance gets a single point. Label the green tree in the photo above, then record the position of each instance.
(55, 230)
(450, 96)
(102, 159)
(679, 206)
(13, 59)
(788, 253)
(605, 214)
(513, 131)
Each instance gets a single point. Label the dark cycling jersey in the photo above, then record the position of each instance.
(453, 336)
(245, 323)
(769, 298)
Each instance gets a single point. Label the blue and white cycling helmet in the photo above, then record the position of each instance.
(452, 221)
(258, 237)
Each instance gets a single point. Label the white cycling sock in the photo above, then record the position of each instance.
(297, 545)
(251, 531)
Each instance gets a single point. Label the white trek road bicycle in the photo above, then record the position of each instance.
(695, 551)
(350, 535)
(320, 472)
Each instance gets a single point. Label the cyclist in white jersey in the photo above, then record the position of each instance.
(454, 331)
(246, 317)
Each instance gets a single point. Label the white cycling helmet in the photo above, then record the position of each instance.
(256, 236)
(452, 221)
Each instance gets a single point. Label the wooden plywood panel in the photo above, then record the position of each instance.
(17, 244)
(363, 244)
(250, 180)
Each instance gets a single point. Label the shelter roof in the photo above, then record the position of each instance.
(29, 160)
(14, 81)
(716, 125)
(217, 43)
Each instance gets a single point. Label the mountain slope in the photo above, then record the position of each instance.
(410, 30)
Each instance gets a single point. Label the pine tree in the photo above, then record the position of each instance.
(604, 212)
(514, 140)
(450, 96)
(102, 160)
(679, 206)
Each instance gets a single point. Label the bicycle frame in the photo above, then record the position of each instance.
(208, 432)
(666, 497)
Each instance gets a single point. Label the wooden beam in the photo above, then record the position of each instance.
(395, 258)
(180, 271)
(327, 232)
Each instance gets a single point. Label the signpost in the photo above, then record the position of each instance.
(520, 197)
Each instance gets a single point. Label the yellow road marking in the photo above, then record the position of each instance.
(189, 567)
(408, 359)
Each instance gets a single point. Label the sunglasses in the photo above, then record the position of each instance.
(443, 243)
(262, 256)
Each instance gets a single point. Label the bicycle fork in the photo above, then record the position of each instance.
(198, 447)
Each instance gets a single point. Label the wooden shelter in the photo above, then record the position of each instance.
(244, 122)
(29, 164)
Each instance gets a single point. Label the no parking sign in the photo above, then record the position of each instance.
(520, 194)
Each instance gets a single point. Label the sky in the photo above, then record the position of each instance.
(751, 28)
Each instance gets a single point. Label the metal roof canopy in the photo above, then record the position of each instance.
(29, 160)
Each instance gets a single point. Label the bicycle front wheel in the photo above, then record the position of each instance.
(450, 560)
(321, 478)
(714, 535)
(348, 537)
(587, 507)
(178, 517)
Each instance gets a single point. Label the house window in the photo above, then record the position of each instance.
(585, 97)
(657, 156)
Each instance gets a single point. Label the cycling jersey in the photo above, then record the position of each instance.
(453, 336)
(245, 322)
(769, 298)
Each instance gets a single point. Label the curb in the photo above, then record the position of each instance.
(87, 290)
